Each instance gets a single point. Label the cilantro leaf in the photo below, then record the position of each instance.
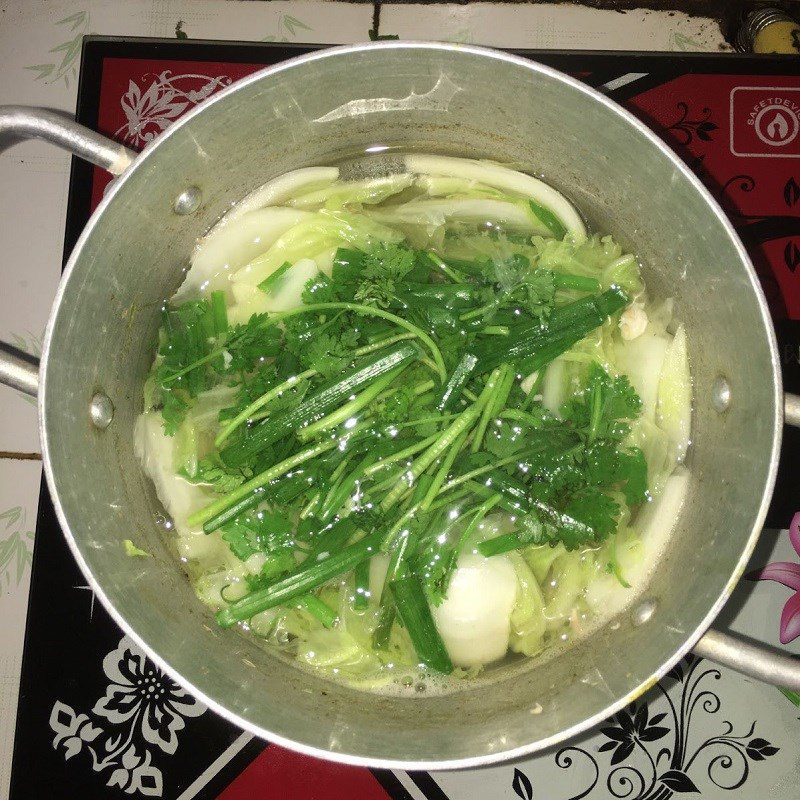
(319, 289)
(258, 532)
(188, 337)
(632, 473)
(298, 332)
(601, 461)
(372, 276)
(330, 354)
(602, 409)
(222, 480)
(276, 564)
(595, 509)
(388, 262)
(520, 283)
(250, 344)
(173, 409)
(346, 271)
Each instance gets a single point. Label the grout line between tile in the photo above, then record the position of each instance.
(14, 456)
(376, 20)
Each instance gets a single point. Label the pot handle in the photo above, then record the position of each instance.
(791, 409)
(18, 123)
(19, 370)
(754, 660)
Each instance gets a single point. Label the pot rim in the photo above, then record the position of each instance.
(487, 758)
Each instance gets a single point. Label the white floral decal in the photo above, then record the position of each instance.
(151, 109)
(142, 706)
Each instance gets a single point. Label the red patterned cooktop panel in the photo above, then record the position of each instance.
(279, 774)
(741, 134)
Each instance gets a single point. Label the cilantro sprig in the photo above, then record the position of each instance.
(391, 396)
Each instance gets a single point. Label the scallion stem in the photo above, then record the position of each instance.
(580, 283)
(478, 312)
(497, 545)
(303, 580)
(317, 608)
(412, 606)
(275, 471)
(521, 416)
(361, 586)
(441, 474)
(400, 455)
(465, 420)
(496, 401)
(348, 410)
(260, 402)
(219, 312)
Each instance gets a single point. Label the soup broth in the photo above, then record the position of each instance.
(407, 425)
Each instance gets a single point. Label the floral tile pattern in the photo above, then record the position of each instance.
(701, 730)
(672, 752)
(150, 109)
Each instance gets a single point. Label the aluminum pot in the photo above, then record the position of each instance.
(316, 109)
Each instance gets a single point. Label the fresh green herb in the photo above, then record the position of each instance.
(385, 413)
(314, 407)
(248, 491)
(271, 283)
(578, 283)
(329, 354)
(250, 345)
(361, 586)
(318, 609)
(413, 608)
(303, 580)
(457, 381)
(219, 477)
(260, 532)
(549, 219)
(604, 407)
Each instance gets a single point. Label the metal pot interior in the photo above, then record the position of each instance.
(438, 98)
